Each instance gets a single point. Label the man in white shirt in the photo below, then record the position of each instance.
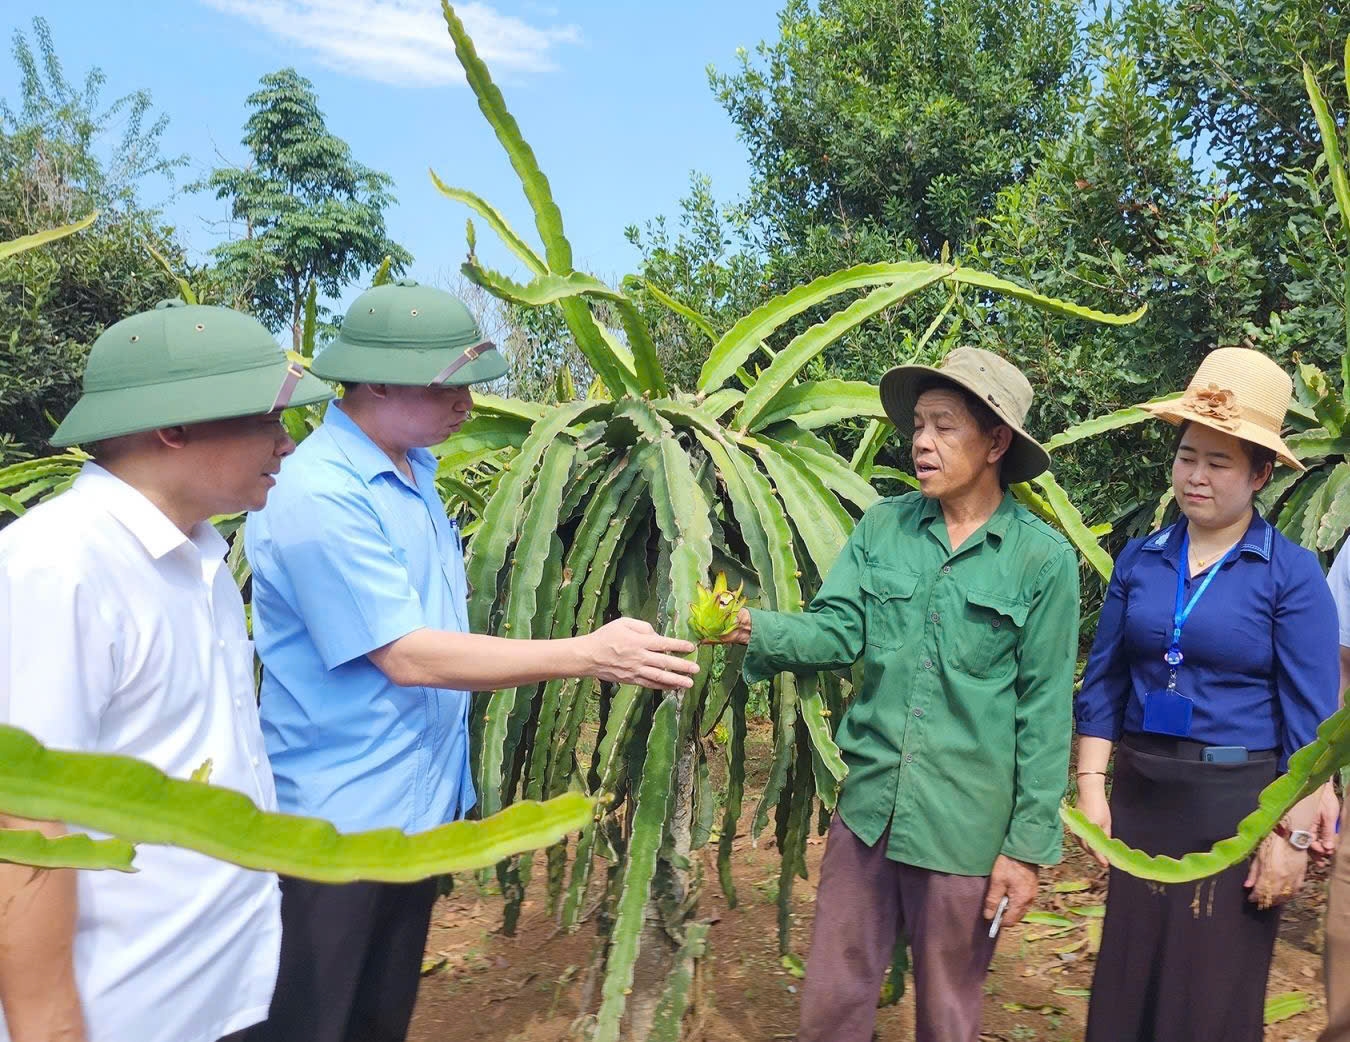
(122, 631)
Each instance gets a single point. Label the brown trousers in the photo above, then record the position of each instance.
(1336, 953)
(862, 900)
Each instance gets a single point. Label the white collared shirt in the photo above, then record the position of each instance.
(119, 634)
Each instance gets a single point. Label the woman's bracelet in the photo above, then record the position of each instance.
(1080, 774)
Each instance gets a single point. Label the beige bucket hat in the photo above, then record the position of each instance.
(994, 380)
(1237, 391)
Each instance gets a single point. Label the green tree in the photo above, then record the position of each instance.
(875, 133)
(1232, 73)
(908, 116)
(310, 211)
(1118, 215)
(62, 133)
(60, 159)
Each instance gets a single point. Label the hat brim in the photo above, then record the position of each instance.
(1025, 459)
(1177, 412)
(130, 410)
(406, 366)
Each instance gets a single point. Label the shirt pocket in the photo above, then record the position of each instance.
(993, 627)
(888, 596)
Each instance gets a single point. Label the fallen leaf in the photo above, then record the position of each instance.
(1074, 993)
(1050, 934)
(430, 966)
(1090, 911)
(1046, 919)
(793, 964)
(1044, 1008)
(1285, 1005)
(1094, 936)
(1071, 886)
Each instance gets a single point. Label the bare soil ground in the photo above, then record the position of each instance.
(527, 988)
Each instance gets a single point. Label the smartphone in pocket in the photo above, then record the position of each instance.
(1225, 754)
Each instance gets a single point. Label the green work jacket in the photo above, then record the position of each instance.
(959, 736)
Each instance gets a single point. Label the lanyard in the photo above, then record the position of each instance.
(1183, 608)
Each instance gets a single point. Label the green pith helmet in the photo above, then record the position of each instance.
(183, 363)
(403, 333)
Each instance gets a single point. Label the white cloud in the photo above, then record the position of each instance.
(402, 42)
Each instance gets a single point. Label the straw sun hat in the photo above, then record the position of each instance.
(1240, 392)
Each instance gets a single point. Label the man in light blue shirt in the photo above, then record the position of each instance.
(361, 622)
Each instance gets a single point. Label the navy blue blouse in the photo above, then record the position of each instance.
(1261, 646)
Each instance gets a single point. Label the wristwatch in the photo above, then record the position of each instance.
(1299, 839)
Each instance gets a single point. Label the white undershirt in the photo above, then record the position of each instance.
(118, 634)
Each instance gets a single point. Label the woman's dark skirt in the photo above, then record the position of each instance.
(1185, 962)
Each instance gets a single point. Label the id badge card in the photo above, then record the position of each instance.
(1168, 712)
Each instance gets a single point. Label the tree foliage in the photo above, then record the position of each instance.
(906, 116)
(309, 210)
(60, 159)
(1165, 152)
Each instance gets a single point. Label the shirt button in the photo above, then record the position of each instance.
(220, 643)
(928, 663)
(918, 711)
(997, 623)
(909, 757)
(935, 617)
(946, 568)
(256, 761)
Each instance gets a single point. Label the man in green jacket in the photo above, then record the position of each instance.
(963, 607)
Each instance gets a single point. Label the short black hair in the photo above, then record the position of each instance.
(348, 386)
(1259, 457)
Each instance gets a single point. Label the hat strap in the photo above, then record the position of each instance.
(470, 354)
(294, 373)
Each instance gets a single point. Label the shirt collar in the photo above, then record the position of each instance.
(361, 451)
(151, 527)
(996, 526)
(1259, 539)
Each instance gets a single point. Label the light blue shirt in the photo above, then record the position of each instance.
(347, 556)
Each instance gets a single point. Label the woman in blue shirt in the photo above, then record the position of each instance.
(1215, 659)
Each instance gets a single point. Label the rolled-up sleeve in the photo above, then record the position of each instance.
(1046, 656)
(350, 583)
(1099, 709)
(1307, 660)
(828, 635)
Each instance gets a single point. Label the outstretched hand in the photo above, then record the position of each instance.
(629, 651)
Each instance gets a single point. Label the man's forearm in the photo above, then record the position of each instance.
(37, 941)
(625, 651)
(475, 662)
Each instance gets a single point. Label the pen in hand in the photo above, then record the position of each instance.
(998, 916)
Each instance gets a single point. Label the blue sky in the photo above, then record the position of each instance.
(613, 96)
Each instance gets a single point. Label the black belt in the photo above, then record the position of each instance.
(1183, 748)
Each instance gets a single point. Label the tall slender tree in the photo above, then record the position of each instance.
(309, 210)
